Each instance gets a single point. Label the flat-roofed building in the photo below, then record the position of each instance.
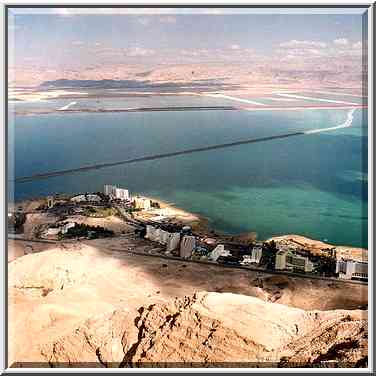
(173, 241)
(256, 255)
(115, 192)
(122, 194)
(150, 233)
(288, 260)
(110, 190)
(164, 235)
(219, 251)
(53, 231)
(349, 269)
(187, 246)
(67, 226)
(142, 203)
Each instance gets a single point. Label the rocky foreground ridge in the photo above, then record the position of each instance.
(223, 329)
(60, 316)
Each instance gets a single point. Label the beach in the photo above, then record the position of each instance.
(176, 215)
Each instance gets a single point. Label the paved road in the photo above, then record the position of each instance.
(151, 157)
(98, 166)
(21, 239)
(294, 275)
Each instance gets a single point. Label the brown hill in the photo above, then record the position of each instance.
(82, 305)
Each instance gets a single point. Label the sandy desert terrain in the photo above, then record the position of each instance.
(60, 293)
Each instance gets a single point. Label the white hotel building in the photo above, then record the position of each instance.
(116, 193)
(288, 260)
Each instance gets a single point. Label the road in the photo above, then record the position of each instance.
(289, 274)
(98, 166)
(294, 275)
(152, 157)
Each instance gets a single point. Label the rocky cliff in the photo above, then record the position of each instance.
(77, 307)
(214, 329)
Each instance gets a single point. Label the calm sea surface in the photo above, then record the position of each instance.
(312, 185)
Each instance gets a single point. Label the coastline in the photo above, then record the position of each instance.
(69, 110)
(201, 226)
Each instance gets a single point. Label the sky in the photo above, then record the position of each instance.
(78, 38)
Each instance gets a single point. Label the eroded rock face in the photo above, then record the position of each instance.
(78, 305)
(103, 341)
(214, 329)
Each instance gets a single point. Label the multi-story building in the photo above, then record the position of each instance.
(173, 241)
(256, 255)
(219, 251)
(116, 193)
(151, 233)
(349, 269)
(122, 194)
(142, 203)
(50, 202)
(187, 246)
(110, 190)
(288, 260)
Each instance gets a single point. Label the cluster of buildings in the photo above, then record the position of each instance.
(180, 241)
(188, 246)
(289, 259)
(86, 198)
(170, 239)
(254, 258)
(174, 240)
(122, 194)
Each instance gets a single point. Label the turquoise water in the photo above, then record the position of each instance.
(312, 185)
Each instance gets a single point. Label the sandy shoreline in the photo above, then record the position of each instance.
(201, 226)
(343, 251)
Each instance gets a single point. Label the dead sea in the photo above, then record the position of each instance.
(299, 186)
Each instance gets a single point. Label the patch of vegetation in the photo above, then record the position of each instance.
(84, 230)
(269, 251)
(132, 210)
(326, 266)
(155, 204)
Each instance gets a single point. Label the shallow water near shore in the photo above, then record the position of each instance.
(312, 185)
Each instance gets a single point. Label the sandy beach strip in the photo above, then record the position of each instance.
(315, 246)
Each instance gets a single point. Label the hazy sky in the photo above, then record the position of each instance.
(71, 38)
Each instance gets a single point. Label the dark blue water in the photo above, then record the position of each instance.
(312, 185)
